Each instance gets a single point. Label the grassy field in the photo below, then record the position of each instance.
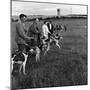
(66, 66)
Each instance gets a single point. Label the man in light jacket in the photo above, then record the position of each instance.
(21, 33)
(45, 30)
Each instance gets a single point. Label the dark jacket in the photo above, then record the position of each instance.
(52, 28)
(34, 32)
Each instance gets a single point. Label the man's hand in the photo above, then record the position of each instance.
(29, 38)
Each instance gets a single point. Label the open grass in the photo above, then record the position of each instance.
(60, 67)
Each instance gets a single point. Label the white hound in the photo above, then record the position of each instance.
(36, 51)
(21, 63)
(56, 39)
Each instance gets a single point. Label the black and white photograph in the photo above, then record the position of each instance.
(49, 44)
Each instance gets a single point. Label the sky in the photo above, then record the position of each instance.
(34, 8)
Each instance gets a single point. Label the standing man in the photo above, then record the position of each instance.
(34, 32)
(45, 37)
(50, 27)
(21, 33)
(45, 30)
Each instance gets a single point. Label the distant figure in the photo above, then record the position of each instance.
(57, 27)
(37, 20)
(21, 33)
(60, 28)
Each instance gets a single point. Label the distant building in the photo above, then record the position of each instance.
(58, 12)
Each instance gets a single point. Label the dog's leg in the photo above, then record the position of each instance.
(38, 57)
(37, 54)
(48, 48)
(24, 63)
(45, 52)
(24, 69)
(57, 44)
(12, 63)
(20, 68)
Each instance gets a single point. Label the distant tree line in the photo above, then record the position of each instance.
(53, 18)
(14, 20)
